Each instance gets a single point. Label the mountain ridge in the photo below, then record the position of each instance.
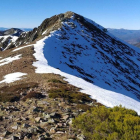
(77, 46)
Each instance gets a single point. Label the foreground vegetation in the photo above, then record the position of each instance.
(50, 111)
(101, 123)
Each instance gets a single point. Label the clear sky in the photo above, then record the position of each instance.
(108, 13)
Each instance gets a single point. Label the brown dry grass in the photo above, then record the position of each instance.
(22, 65)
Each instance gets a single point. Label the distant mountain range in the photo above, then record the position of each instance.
(129, 36)
(24, 29)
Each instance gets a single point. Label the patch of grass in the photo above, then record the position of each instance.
(9, 97)
(12, 93)
(33, 94)
(55, 81)
(18, 87)
(84, 107)
(68, 94)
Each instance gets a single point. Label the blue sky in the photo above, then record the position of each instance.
(108, 13)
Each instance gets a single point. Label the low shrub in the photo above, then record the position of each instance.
(9, 97)
(74, 97)
(55, 81)
(101, 123)
(12, 93)
(33, 94)
(60, 89)
(84, 107)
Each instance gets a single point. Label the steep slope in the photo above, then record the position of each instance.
(88, 56)
(86, 50)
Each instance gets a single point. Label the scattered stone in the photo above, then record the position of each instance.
(59, 124)
(53, 114)
(65, 117)
(37, 119)
(26, 125)
(43, 124)
(51, 121)
(53, 130)
(32, 130)
(6, 133)
(60, 132)
(47, 116)
(80, 137)
(15, 127)
(70, 121)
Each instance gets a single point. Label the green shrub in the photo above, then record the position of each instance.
(74, 97)
(84, 107)
(55, 81)
(101, 123)
(60, 89)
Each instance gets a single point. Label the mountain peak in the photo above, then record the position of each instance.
(87, 55)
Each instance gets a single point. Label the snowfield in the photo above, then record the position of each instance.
(106, 97)
(9, 60)
(12, 77)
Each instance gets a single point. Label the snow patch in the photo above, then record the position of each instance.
(9, 60)
(22, 47)
(12, 77)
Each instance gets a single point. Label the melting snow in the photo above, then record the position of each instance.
(9, 60)
(106, 97)
(22, 47)
(12, 77)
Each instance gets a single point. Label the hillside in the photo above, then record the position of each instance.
(80, 47)
(67, 56)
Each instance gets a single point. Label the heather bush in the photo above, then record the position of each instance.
(101, 123)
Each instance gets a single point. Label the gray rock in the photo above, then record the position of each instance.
(42, 124)
(25, 125)
(81, 137)
(32, 130)
(65, 117)
(60, 132)
(6, 133)
(47, 116)
(15, 127)
(51, 121)
(37, 119)
(53, 130)
(53, 114)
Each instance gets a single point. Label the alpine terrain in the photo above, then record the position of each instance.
(66, 53)
(8, 37)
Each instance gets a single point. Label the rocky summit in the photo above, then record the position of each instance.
(59, 70)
